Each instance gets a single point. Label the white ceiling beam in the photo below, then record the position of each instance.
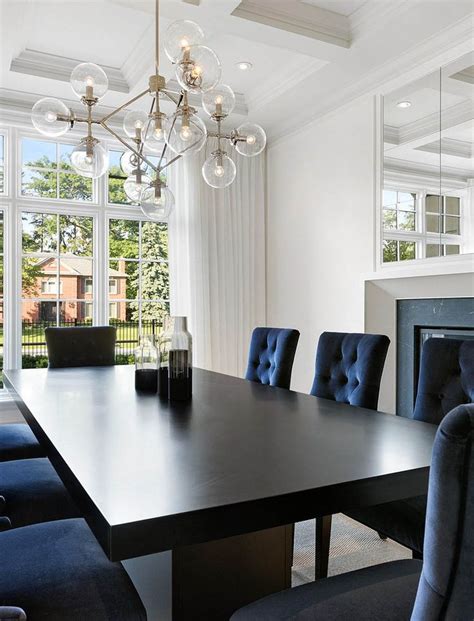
(298, 17)
(32, 62)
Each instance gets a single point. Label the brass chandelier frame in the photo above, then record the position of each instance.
(156, 88)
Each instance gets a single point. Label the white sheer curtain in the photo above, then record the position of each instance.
(217, 260)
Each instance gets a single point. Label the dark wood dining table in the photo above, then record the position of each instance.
(195, 498)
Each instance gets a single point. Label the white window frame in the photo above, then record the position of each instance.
(12, 203)
(420, 236)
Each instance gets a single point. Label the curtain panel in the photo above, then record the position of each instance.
(217, 259)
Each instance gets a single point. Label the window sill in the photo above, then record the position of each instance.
(455, 264)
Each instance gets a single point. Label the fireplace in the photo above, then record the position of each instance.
(418, 320)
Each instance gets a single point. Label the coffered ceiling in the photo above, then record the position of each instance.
(307, 56)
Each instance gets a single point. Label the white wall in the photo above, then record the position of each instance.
(320, 228)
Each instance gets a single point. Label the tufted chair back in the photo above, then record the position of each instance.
(81, 347)
(446, 378)
(271, 356)
(445, 590)
(349, 367)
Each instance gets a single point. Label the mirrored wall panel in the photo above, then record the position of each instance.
(428, 166)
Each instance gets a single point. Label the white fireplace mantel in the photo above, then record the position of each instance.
(382, 290)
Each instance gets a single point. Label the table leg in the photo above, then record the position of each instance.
(211, 580)
(323, 541)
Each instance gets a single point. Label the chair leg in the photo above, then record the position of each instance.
(417, 555)
(323, 540)
(382, 536)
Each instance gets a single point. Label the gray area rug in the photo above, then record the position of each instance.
(352, 546)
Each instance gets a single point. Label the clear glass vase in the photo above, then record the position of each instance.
(146, 365)
(176, 369)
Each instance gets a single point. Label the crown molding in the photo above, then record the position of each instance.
(438, 49)
(430, 124)
(32, 62)
(397, 170)
(298, 17)
(448, 146)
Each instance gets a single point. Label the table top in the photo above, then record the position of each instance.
(150, 475)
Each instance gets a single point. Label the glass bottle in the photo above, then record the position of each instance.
(175, 380)
(146, 365)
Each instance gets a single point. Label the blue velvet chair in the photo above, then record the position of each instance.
(446, 381)
(31, 490)
(271, 356)
(349, 369)
(439, 588)
(58, 572)
(17, 441)
(67, 347)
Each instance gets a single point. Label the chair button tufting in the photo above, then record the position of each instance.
(441, 395)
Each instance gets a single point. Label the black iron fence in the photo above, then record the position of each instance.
(33, 344)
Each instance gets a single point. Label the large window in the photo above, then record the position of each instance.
(138, 267)
(419, 225)
(87, 255)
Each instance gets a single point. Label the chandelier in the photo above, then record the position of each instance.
(198, 72)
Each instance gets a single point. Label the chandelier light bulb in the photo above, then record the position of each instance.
(220, 101)
(219, 170)
(157, 201)
(255, 140)
(180, 36)
(90, 158)
(200, 70)
(134, 187)
(154, 135)
(133, 121)
(184, 132)
(88, 77)
(51, 117)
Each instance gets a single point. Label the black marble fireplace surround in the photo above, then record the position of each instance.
(453, 317)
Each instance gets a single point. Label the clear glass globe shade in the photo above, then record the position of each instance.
(129, 163)
(179, 36)
(90, 166)
(221, 97)
(44, 116)
(134, 189)
(155, 135)
(157, 208)
(184, 133)
(255, 142)
(203, 73)
(88, 74)
(135, 119)
(219, 171)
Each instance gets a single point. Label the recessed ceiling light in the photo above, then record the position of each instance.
(244, 66)
(403, 104)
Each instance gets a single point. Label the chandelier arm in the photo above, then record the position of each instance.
(172, 161)
(163, 152)
(132, 149)
(127, 103)
(171, 97)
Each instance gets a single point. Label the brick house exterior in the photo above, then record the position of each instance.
(75, 287)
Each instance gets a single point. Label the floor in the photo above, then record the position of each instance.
(352, 546)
